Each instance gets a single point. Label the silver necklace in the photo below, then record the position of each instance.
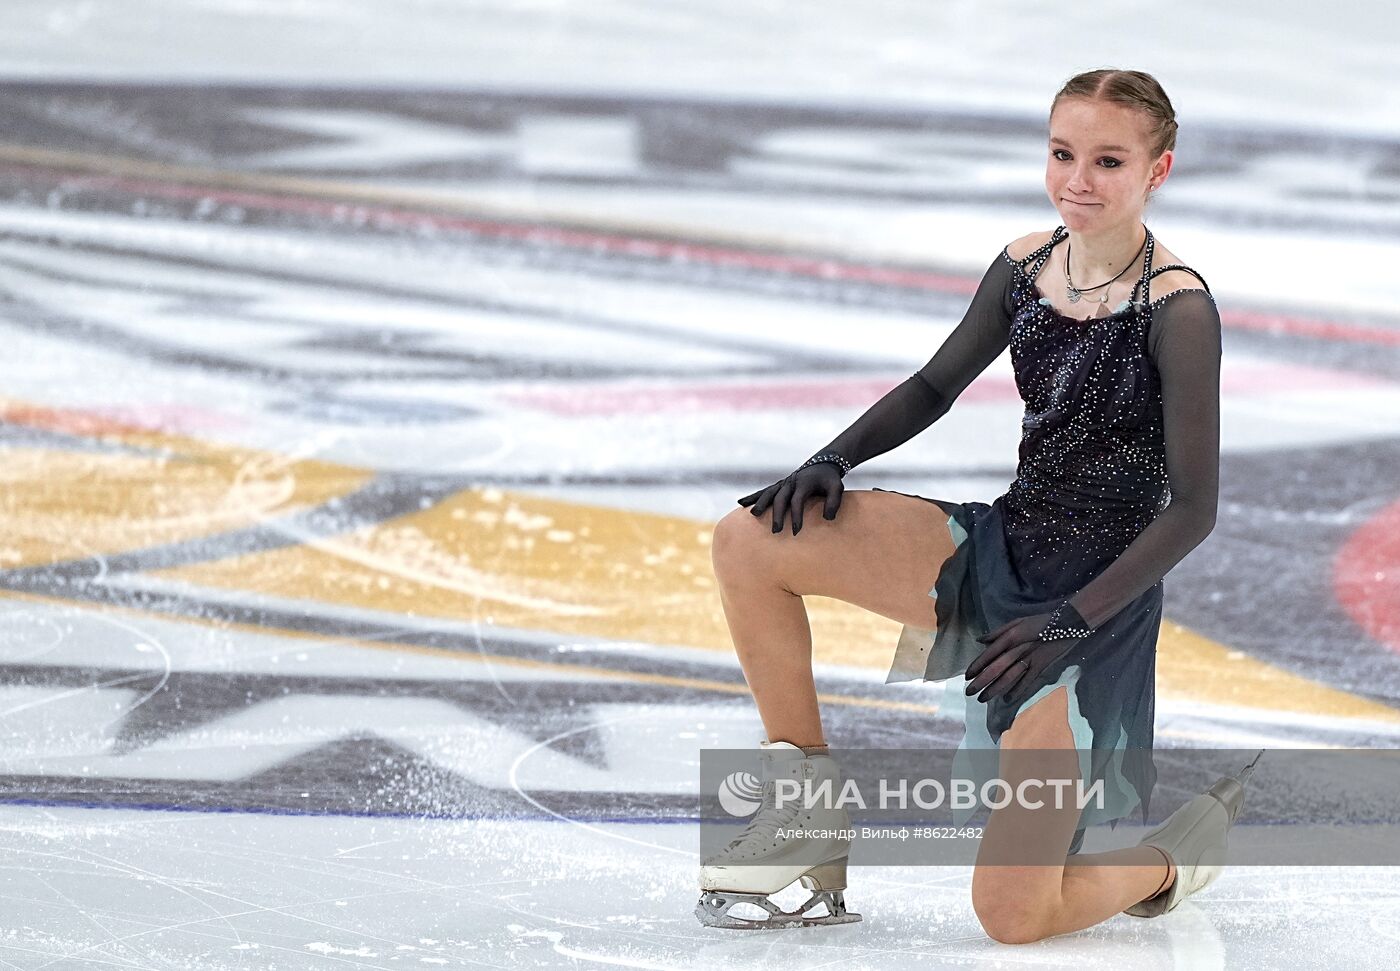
(1075, 294)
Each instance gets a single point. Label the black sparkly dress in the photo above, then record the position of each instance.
(1116, 482)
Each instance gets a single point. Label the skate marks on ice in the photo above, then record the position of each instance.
(365, 676)
(236, 891)
(272, 386)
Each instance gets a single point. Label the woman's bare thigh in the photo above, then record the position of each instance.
(882, 552)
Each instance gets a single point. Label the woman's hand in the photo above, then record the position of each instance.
(790, 495)
(1014, 659)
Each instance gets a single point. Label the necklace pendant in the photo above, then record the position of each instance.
(1073, 294)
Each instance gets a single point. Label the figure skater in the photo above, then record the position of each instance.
(1042, 609)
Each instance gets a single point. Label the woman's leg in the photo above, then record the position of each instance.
(1019, 904)
(881, 552)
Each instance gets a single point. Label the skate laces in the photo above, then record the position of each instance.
(769, 818)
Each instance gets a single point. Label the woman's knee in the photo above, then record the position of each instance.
(1008, 916)
(734, 544)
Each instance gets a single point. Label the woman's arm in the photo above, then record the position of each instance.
(906, 410)
(1185, 345)
(927, 395)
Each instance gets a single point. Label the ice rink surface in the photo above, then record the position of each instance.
(374, 376)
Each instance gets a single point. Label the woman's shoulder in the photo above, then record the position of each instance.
(1019, 249)
(1179, 299)
(1171, 280)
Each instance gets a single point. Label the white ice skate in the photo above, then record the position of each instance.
(761, 861)
(1195, 838)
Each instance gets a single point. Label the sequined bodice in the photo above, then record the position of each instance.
(1092, 468)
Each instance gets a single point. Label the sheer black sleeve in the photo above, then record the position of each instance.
(927, 395)
(1184, 343)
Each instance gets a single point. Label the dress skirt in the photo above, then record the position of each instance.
(1109, 675)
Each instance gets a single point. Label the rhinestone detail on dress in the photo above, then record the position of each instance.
(1092, 470)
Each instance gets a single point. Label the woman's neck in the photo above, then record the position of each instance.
(1095, 258)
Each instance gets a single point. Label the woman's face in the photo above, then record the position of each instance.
(1097, 169)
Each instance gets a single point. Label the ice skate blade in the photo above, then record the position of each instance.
(714, 906)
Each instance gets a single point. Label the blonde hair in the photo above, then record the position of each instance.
(1131, 89)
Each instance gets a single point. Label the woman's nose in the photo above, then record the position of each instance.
(1079, 180)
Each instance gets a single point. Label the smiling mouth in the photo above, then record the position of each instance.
(1077, 203)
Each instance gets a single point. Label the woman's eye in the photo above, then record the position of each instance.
(1056, 153)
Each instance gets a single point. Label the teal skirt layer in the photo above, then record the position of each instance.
(1109, 676)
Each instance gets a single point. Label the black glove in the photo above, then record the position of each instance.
(1020, 650)
(903, 412)
(790, 495)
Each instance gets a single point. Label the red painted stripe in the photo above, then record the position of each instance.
(1285, 324)
(637, 398)
(659, 249)
(1267, 377)
(1366, 576)
(634, 397)
(826, 268)
(116, 419)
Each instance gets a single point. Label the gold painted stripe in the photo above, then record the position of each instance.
(534, 562)
(484, 555)
(59, 505)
